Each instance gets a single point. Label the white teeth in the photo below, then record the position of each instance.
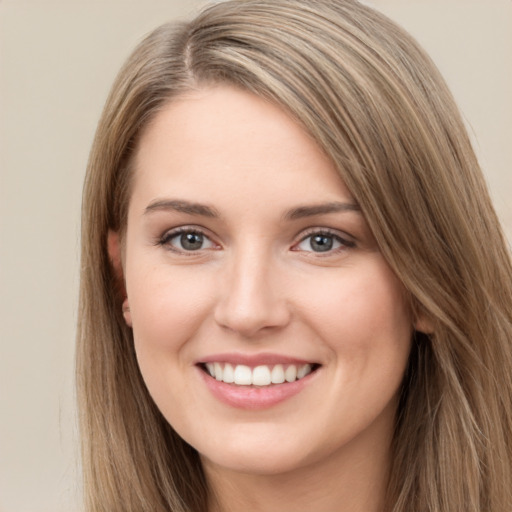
(218, 371)
(211, 369)
(303, 371)
(243, 375)
(262, 375)
(278, 374)
(229, 374)
(291, 373)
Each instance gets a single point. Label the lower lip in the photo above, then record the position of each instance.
(254, 397)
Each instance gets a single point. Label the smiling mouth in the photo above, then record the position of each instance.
(262, 375)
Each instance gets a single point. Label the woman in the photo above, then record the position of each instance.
(295, 291)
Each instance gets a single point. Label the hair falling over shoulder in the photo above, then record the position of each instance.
(378, 107)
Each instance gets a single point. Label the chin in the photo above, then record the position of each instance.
(267, 449)
(256, 461)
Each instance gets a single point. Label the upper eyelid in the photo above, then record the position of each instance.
(342, 235)
(347, 241)
(185, 228)
(168, 234)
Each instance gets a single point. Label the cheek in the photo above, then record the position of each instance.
(364, 319)
(364, 322)
(360, 301)
(167, 305)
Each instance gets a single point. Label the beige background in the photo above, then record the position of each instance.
(57, 60)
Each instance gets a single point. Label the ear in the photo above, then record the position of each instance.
(126, 313)
(114, 252)
(423, 324)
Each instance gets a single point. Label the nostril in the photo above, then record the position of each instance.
(250, 300)
(250, 321)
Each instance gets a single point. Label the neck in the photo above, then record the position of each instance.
(349, 480)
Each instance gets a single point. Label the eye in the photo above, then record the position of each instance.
(322, 242)
(186, 240)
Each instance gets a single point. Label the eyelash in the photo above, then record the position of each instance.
(344, 244)
(327, 233)
(165, 239)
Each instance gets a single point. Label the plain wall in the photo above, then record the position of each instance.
(57, 61)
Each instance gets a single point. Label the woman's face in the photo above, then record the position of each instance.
(247, 258)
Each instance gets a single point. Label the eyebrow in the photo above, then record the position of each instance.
(183, 207)
(203, 210)
(320, 209)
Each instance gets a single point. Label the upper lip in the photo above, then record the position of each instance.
(253, 360)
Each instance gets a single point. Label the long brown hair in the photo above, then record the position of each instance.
(378, 107)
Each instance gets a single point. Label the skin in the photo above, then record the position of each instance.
(258, 284)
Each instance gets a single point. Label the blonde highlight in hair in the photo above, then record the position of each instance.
(375, 103)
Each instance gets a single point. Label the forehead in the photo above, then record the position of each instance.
(221, 140)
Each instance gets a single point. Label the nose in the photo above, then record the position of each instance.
(251, 297)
